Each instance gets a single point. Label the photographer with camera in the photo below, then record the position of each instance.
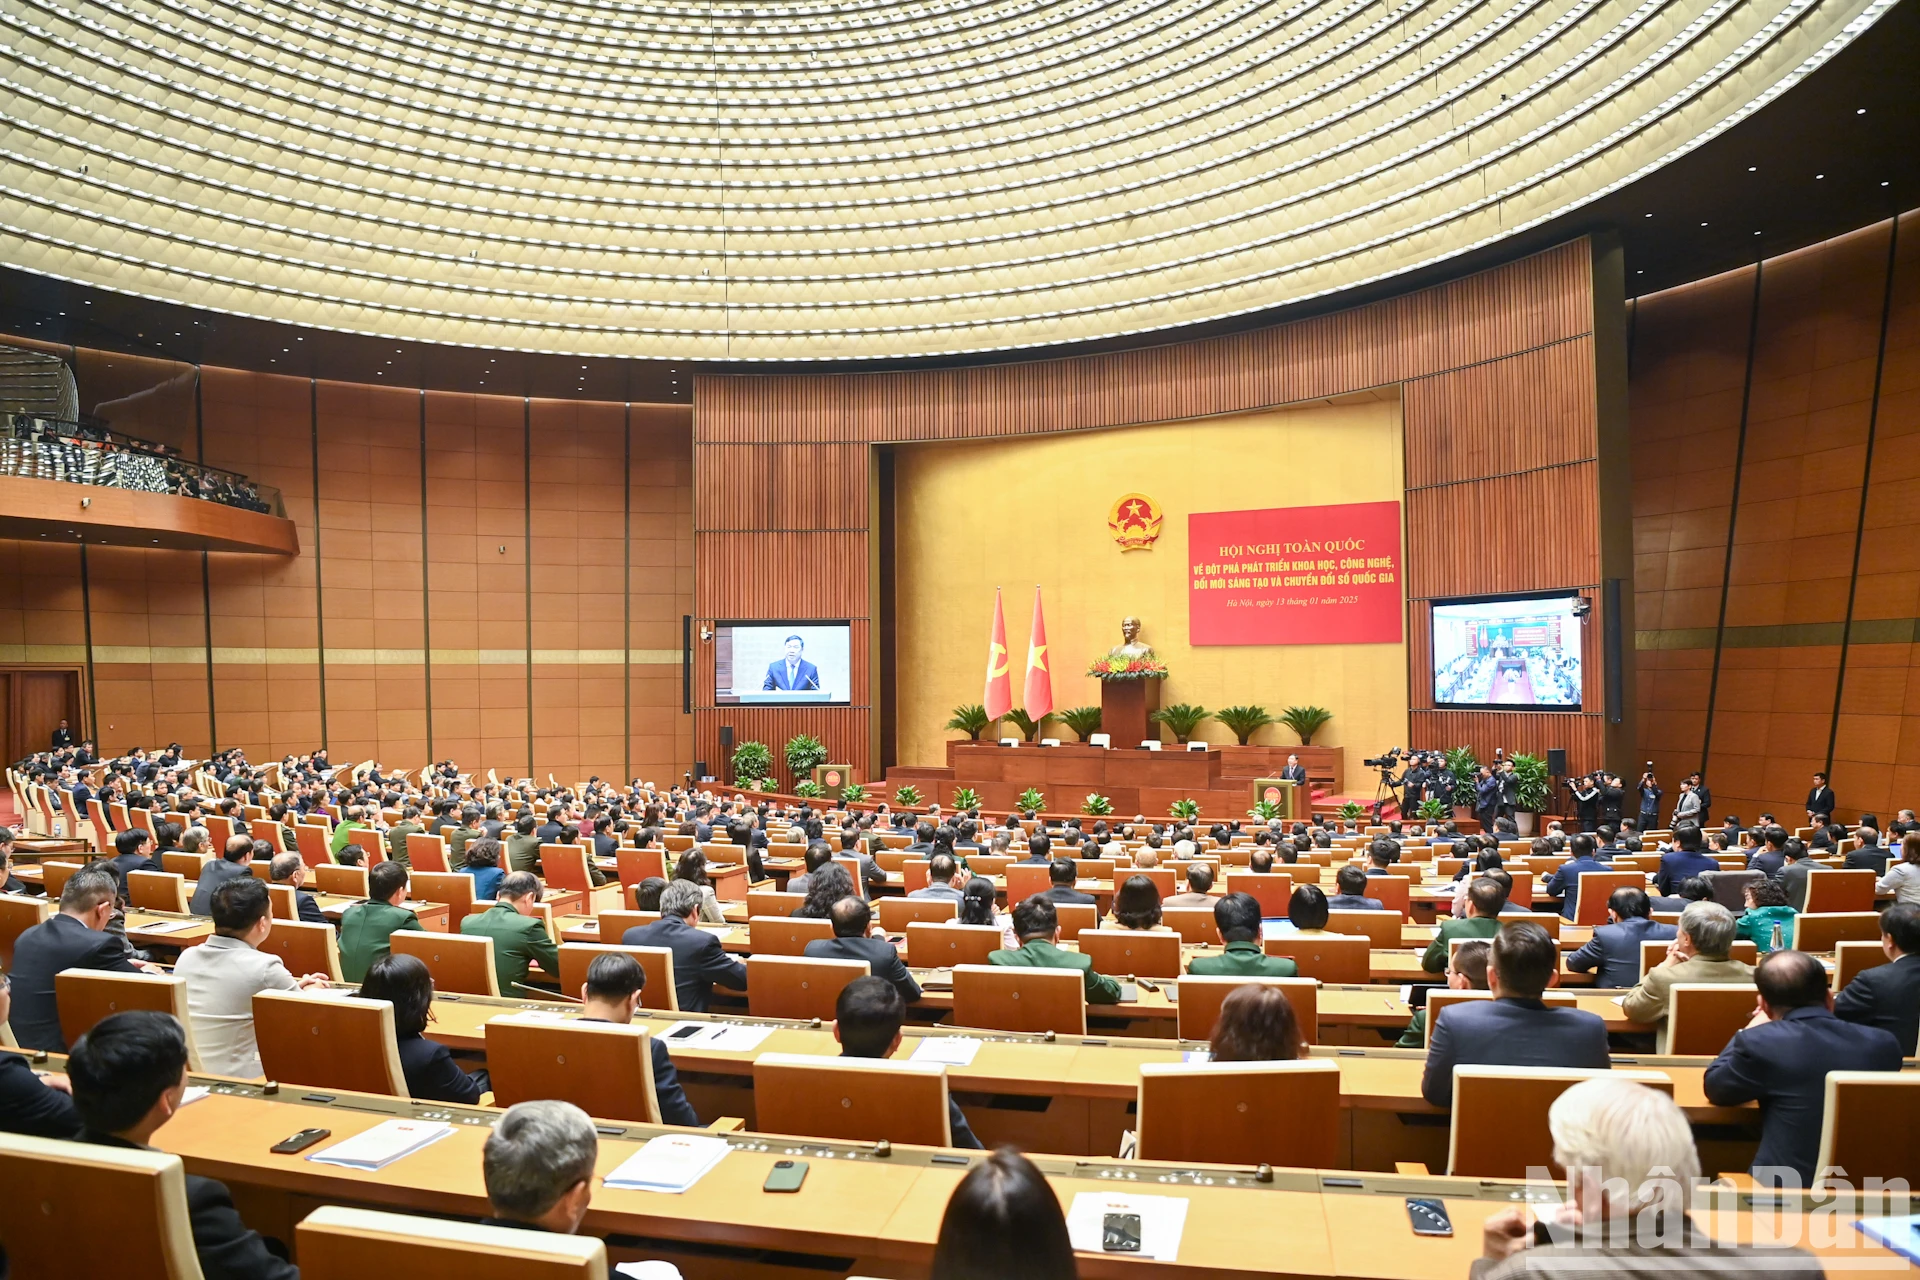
(1650, 794)
(1586, 800)
(1612, 795)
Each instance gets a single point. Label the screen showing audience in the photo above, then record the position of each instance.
(771, 663)
(1507, 653)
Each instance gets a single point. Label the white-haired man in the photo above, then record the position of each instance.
(1630, 1165)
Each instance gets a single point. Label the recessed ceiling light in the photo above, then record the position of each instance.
(1649, 215)
(1818, 176)
(1861, 111)
(1703, 224)
(1753, 168)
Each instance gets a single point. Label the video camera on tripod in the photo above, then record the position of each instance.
(1387, 760)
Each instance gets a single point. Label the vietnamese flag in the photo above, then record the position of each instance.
(1039, 695)
(999, 698)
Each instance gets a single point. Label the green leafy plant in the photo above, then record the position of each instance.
(1181, 717)
(757, 784)
(1531, 774)
(1465, 768)
(804, 751)
(969, 718)
(1352, 811)
(1433, 809)
(852, 793)
(1096, 804)
(1027, 725)
(1244, 722)
(1185, 810)
(1306, 721)
(966, 798)
(1084, 721)
(1032, 799)
(808, 789)
(751, 762)
(906, 794)
(1265, 810)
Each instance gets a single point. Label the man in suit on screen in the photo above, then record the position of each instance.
(792, 671)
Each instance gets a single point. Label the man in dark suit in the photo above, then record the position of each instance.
(132, 851)
(852, 924)
(792, 671)
(698, 959)
(1515, 1028)
(235, 863)
(1820, 801)
(40, 1106)
(1565, 882)
(1793, 876)
(1888, 995)
(1040, 849)
(62, 736)
(1871, 855)
(1615, 946)
(866, 1022)
(1688, 857)
(73, 938)
(129, 1076)
(611, 993)
(1062, 875)
(1294, 771)
(291, 870)
(1782, 1058)
(1771, 857)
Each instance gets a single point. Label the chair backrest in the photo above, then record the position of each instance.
(1145, 953)
(51, 1193)
(913, 874)
(631, 866)
(1272, 891)
(313, 841)
(1596, 887)
(286, 907)
(157, 891)
(853, 1099)
(1440, 998)
(1394, 892)
(328, 1042)
(1241, 1113)
(348, 882)
(565, 869)
(1344, 958)
(269, 830)
(304, 948)
(676, 844)
(1499, 1125)
(1014, 998)
(933, 946)
(614, 924)
(1851, 959)
(767, 902)
(1821, 930)
(1840, 890)
(427, 853)
(1162, 878)
(796, 987)
(141, 817)
(85, 996)
(374, 842)
(1201, 997)
(451, 887)
(1703, 1016)
(1381, 928)
(338, 1243)
(603, 1068)
(897, 913)
(656, 962)
(1193, 924)
(1024, 879)
(186, 865)
(1076, 918)
(19, 913)
(1730, 887)
(1871, 1125)
(54, 873)
(459, 962)
(991, 864)
(784, 935)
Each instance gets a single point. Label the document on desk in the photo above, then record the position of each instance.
(1162, 1219)
(166, 926)
(381, 1145)
(193, 1094)
(669, 1164)
(954, 1051)
(723, 1036)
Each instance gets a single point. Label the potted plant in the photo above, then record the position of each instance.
(1096, 804)
(1264, 810)
(1306, 721)
(752, 761)
(966, 798)
(1243, 722)
(1032, 800)
(1352, 811)
(1027, 725)
(971, 719)
(1530, 772)
(808, 789)
(1181, 717)
(1465, 768)
(803, 752)
(1084, 721)
(1433, 809)
(906, 795)
(852, 793)
(1185, 810)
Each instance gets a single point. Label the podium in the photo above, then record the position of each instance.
(1124, 708)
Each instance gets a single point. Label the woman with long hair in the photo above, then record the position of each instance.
(432, 1075)
(1257, 1024)
(1136, 905)
(1003, 1222)
(692, 867)
(977, 907)
(826, 885)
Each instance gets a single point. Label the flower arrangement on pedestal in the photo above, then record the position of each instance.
(1119, 668)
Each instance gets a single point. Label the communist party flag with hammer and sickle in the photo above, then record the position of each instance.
(1039, 692)
(999, 698)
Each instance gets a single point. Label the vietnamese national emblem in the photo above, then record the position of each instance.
(1135, 521)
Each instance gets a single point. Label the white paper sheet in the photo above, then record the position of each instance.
(1162, 1219)
(715, 1035)
(381, 1145)
(1197, 1055)
(194, 1093)
(164, 926)
(651, 1269)
(955, 1051)
(670, 1163)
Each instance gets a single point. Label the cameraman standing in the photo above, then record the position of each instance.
(1650, 794)
(1586, 800)
(1509, 789)
(1612, 795)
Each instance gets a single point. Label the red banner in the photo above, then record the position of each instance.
(1295, 575)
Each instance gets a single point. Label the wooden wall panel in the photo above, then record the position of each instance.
(1525, 532)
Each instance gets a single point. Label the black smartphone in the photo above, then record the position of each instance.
(787, 1175)
(1429, 1217)
(1120, 1233)
(300, 1141)
(684, 1032)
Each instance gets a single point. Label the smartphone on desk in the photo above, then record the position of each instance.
(300, 1141)
(786, 1175)
(1429, 1217)
(1120, 1233)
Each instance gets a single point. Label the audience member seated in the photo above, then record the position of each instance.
(866, 1022)
(1903, 877)
(699, 961)
(483, 864)
(1257, 1024)
(1888, 995)
(1136, 904)
(538, 1164)
(1003, 1222)
(1614, 948)
(1037, 926)
(1766, 909)
(692, 867)
(133, 851)
(1869, 855)
(646, 894)
(290, 870)
(1700, 952)
(367, 928)
(1793, 876)
(941, 868)
(1237, 918)
(1515, 1028)
(826, 885)
(1466, 971)
(611, 993)
(1564, 883)
(853, 940)
(1485, 897)
(35, 1103)
(1352, 883)
(1691, 890)
(1306, 914)
(74, 937)
(979, 905)
(234, 863)
(1781, 1061)
(129, 1077)
(519, 935)
(223, 973)
(432, 1075)
(1630, 1159)
(1199, 889)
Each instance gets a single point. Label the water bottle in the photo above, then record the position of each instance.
(1776, 937)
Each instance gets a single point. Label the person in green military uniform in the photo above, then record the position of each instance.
(1466, 971)
(353, 818)
(519, 934)
(523, 845)
(1237, 917)
(1037, 925)
(469, 829)
(1485, 898)
(397, 834)
(367, 928)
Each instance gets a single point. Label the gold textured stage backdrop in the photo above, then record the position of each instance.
(1047, 524)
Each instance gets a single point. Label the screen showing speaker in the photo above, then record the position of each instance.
(1514, 651)
(780, 663)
